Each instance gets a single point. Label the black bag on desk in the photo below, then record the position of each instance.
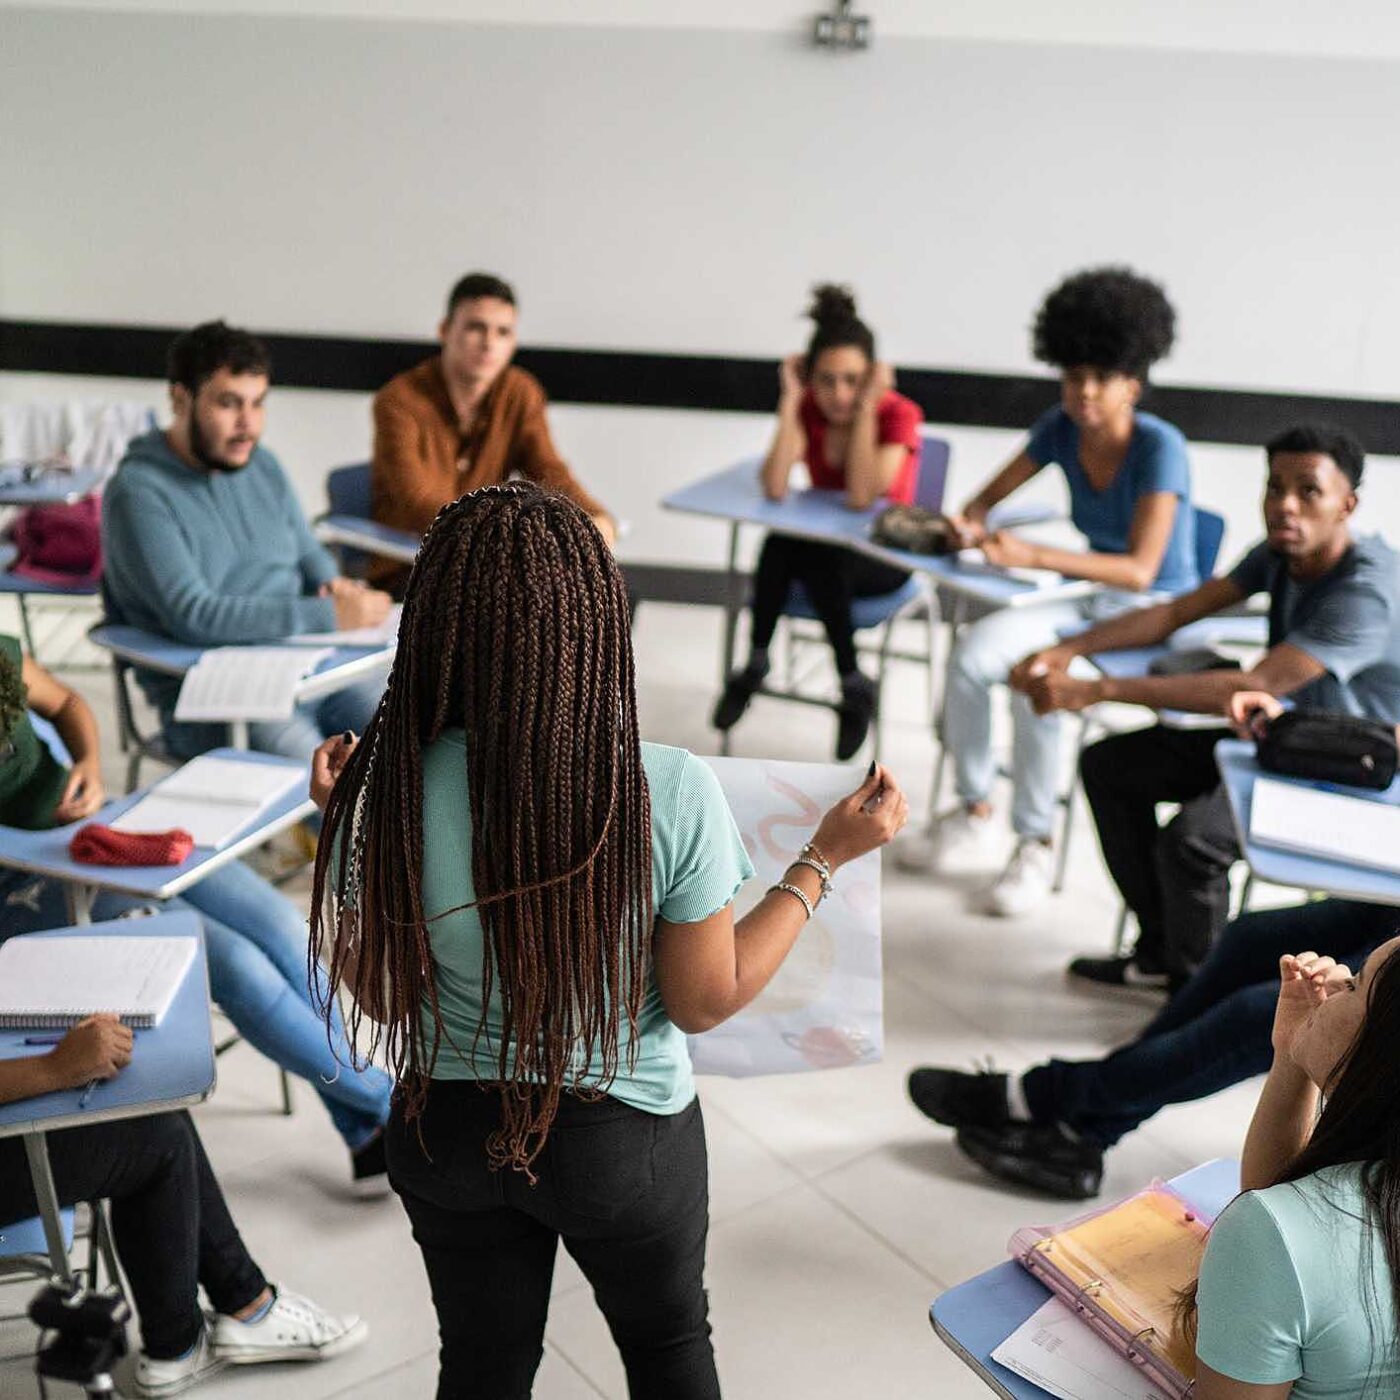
(916, 529)
(1333, 748)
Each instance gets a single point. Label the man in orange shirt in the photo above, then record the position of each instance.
(464, 418)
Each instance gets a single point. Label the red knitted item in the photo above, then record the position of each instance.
(95, 844)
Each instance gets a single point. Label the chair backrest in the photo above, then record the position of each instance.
(931, 476)
(347, 490)
(1210, 533)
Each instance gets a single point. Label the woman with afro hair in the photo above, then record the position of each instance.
(1130, 496)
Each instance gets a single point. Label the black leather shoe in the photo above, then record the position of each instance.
(739, 689)
(1044, 1156)
(859, 696)
(1119, 972)
(958, 1099)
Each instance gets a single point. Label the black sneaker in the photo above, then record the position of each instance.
(1045, 1156)
(859, 696)
(739, 689)
(369, 1169)
(958, 1099)
(1120, 972)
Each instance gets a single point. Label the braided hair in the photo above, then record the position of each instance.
(515, 629)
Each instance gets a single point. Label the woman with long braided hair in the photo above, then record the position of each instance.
(534, 907)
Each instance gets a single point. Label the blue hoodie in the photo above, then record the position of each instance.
(209, 558)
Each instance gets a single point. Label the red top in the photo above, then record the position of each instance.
(898, 421)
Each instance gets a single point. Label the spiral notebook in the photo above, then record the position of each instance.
(53, 983)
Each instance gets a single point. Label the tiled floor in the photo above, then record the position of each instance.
(838, 1212)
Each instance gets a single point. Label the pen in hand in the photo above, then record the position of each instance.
(87, 1092)
(871, 803)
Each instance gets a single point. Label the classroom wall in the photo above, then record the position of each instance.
(660, 188)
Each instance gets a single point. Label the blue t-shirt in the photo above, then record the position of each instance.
(1295, 1287)
(1348, 621)
(1156, 461)
(698, 863)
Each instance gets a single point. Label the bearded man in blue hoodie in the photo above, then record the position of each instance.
(204, 542)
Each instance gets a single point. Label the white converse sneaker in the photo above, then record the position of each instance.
(157, 1378)
(1026, 880)
(293, 1329)
(956, 842)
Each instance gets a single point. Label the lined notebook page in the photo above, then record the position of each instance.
(214, 799)
(55, 982)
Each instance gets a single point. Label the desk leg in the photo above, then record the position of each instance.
(955, 623)
(36, 1149)
(79, 899)
(732, 605)
(238, 734)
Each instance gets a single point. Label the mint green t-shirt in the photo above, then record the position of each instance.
(698, 863)
(1290, 1291)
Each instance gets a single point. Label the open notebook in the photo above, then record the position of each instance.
(1354, 830)
(53, 983)
(214, 799)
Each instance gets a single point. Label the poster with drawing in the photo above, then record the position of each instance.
(824, 1008)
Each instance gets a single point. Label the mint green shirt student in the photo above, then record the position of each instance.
(698, 864)
(1295, 1287)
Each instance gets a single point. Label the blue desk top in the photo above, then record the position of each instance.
(1238, 768)
(369, 536)
(25, 484)
(172, 1065)
(46, 852)
(735, 495)
(157, 653)
(976, 1317)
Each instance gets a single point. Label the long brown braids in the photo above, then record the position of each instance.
(515, 628)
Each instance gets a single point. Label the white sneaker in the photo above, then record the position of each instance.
(1025, 882)
(293, 1329)
(956, 842)
(156, 1378)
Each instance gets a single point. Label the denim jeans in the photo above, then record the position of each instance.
(984, 655)
(1215, 1031)
(628, 1194)
(255, 938)
(298, 737)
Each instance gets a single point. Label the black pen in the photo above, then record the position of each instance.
(871, 803)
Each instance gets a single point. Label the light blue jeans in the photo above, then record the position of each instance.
(256, 942)
(983, 657)
(298, 737)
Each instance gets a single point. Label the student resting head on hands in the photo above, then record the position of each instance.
(837, 412)
(538, 907)
(1129, 487)
(1299, 1292)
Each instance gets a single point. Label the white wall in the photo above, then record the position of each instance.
(671, 189)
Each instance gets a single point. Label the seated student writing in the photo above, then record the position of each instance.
(1334, 644)
(538, 907)
(204, 542)
(1129, 486)
(254, 936)
(1299, 1290)
(837, 412)
(170, 1224)
(465, 418)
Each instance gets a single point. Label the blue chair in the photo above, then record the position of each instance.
(348, 493)
(881, 610)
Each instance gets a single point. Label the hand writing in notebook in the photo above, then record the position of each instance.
(328, 763)
(96, 1048)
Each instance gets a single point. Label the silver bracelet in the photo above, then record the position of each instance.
(810, 853)
(823, 874)
(792, 889)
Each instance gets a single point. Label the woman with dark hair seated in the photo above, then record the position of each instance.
(837, 412)
(1299, 1290)
(1130, 495)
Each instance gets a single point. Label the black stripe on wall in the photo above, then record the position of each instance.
(703, 382)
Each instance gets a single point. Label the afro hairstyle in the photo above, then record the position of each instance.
(1106, 317)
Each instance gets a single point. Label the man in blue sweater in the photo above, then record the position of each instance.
(204, 542)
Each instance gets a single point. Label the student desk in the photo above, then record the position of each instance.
(24, 484)
(369, 537)
(150, 652)
(1238, 769)
(46, 852)
(172, 1067)
(976, 1317)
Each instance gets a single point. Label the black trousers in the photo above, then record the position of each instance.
(1175, 878)
(170, 1222)
(626, 1191)
(833, 578)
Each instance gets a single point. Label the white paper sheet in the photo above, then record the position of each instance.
(976, 562)
(383, 635)
(214, 799)
(1355, 830)
(246, 683)
(1055, 1350)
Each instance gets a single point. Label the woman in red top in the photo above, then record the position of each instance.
(837, 412)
